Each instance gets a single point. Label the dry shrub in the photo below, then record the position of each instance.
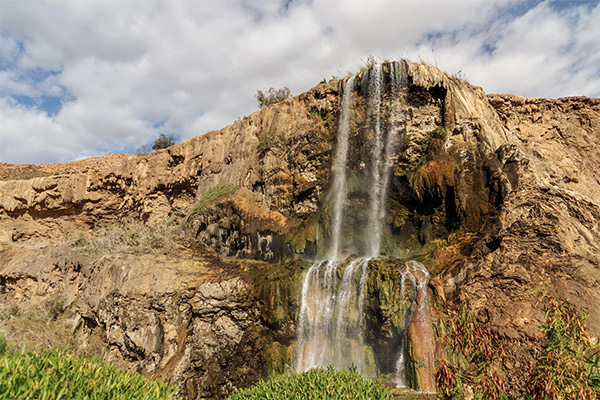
(133, 238)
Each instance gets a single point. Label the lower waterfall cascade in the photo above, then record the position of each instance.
(331, 321)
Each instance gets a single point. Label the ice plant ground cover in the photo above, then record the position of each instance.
(58, 375)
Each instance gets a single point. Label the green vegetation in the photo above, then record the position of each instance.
(162, 142)
(439, 133)
(270, 139)
(567, 368)
(211, 195)
(46, 325)
(272, 96)
(316, 384)
(55, 307)
(476, 349)
(325, 119)
(57, 375)
(4, 345)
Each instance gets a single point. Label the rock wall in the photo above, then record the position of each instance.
(207, 325)
(280, 153)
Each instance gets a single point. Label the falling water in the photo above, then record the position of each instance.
(398, 83)
(324, 300)
(338, 170)
(331, 320)
(374, 227)
(415, 273)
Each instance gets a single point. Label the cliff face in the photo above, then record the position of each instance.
(496, 195)
(279, 153)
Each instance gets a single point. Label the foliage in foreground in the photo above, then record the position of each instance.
(56, 375)
(316, 384)
(479, 348)
(567, 368)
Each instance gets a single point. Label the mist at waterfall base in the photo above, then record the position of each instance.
(331, 323)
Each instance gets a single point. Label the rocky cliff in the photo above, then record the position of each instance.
(497, 195)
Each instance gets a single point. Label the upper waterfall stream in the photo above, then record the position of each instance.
(331, 322)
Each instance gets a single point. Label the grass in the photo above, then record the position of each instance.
(316, 384)
(135, 238)
(46, 325)
(58, 375)
(211, 195)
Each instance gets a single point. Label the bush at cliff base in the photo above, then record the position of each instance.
(57, 375)
(316, 384)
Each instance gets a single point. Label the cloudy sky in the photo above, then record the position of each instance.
(81, 78)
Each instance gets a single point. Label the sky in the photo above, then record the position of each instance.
(82, 78)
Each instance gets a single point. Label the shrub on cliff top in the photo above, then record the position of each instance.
(162, 142)
(316, 384)
(272, 96)
(57, 375)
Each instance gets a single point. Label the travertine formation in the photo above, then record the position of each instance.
(496, 195)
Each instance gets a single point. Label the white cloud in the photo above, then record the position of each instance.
(129, 70)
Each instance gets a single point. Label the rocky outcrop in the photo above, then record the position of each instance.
(238, 225)
(546, 238)
(207, 325)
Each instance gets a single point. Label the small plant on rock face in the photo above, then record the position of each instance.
(3, 344)
(55, 307)
(213, 194)
(440, 133)
(269, 140)
(135, 238)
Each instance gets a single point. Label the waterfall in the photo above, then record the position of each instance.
(338, 170)
(331, 321)
(418, 276)
(398, 83)
(374, 227)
